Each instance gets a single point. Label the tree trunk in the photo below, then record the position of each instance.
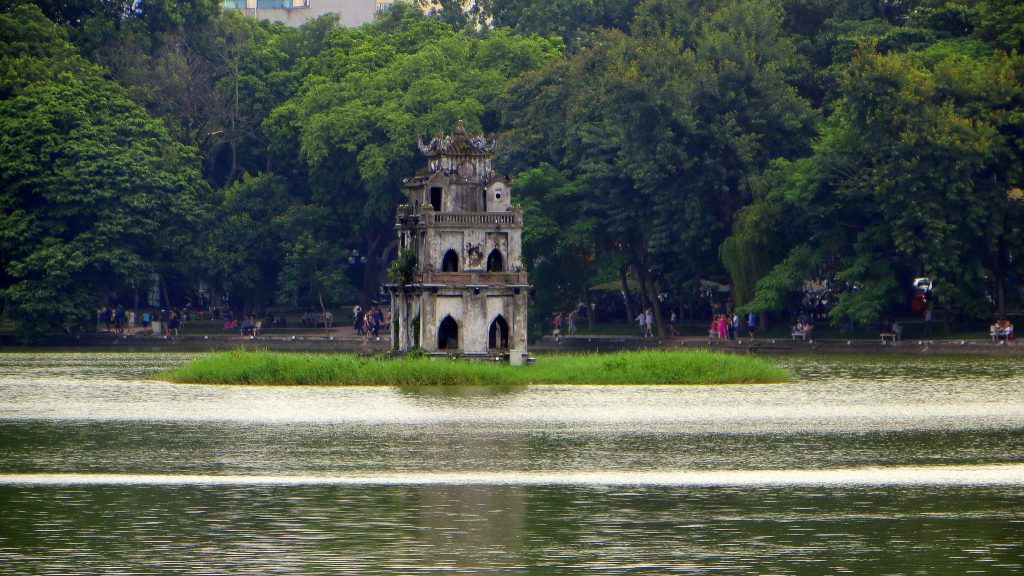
(369, 289)
(651, 289)
(323, 312)
(642, 278)
(625, 294)
(163, 289)
(1002, 257)
(590, 311)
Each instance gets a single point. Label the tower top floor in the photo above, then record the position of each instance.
(459, 176)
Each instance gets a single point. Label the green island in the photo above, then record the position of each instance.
(642, 367)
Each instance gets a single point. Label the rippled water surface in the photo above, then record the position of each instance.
(862, 465)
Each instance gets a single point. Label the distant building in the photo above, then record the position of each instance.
(468, 292)
(296, 12)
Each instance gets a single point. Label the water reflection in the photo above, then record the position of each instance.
(864, 466)
(459, 392)
(532, 529)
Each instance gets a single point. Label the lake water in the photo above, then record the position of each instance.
(889, 465)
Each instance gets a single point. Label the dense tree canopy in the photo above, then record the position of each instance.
(96, 195)
(659, 146)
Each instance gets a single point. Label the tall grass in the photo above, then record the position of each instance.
(644, 367)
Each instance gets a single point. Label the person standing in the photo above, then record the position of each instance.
(649, 323)
(378, 321)
(751, 324)
(672, 320)
(119, 319)
(106, 316)
(641, 320)
(357, 319)
(131, 322)
(174, 322)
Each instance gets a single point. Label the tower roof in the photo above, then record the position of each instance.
(458, 143)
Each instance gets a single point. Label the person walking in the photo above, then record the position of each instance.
(672, 320)
(131, 322)
(649, 323)
(641, 320)
(752, 324)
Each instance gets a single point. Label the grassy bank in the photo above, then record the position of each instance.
(645, 367)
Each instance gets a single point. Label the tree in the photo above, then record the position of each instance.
(910, 177)
(665, 132)
(577, 22)
(313, 269)
(245, 245)
(95, 193)
(369, 95)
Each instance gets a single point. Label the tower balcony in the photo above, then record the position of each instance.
(406, 215)
(511, 278)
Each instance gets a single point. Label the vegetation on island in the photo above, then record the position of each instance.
(645, 367)
(180, 149)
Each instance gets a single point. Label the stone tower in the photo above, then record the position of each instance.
(466, 291)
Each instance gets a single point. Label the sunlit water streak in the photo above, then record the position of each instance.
(994, 475)
(861, 466)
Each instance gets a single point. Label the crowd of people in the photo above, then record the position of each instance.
(730, 326)
(369, 322)
(121, 321)
(564, 322)
(1002, 330)
(126, 322)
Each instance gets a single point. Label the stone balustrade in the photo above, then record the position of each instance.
(471, 278)
(430, 218)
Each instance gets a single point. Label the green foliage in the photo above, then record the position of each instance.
(247, 243)
(402, 268)
(648, 367)
(909, 178)
(95, 195)
(757, 142)
(660, 134)
(577, 22)
(1001, 22)
(367, 96)
(313, 270)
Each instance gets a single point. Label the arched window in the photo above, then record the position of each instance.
(495, 261)
(497, 337)
(435, 199)
(448, 334)
(450, 262)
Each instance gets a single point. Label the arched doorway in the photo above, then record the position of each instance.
(450, 262)
(448, 334)
(495, 261)
(498, 333)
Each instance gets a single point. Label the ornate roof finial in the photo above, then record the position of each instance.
(458, 143)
